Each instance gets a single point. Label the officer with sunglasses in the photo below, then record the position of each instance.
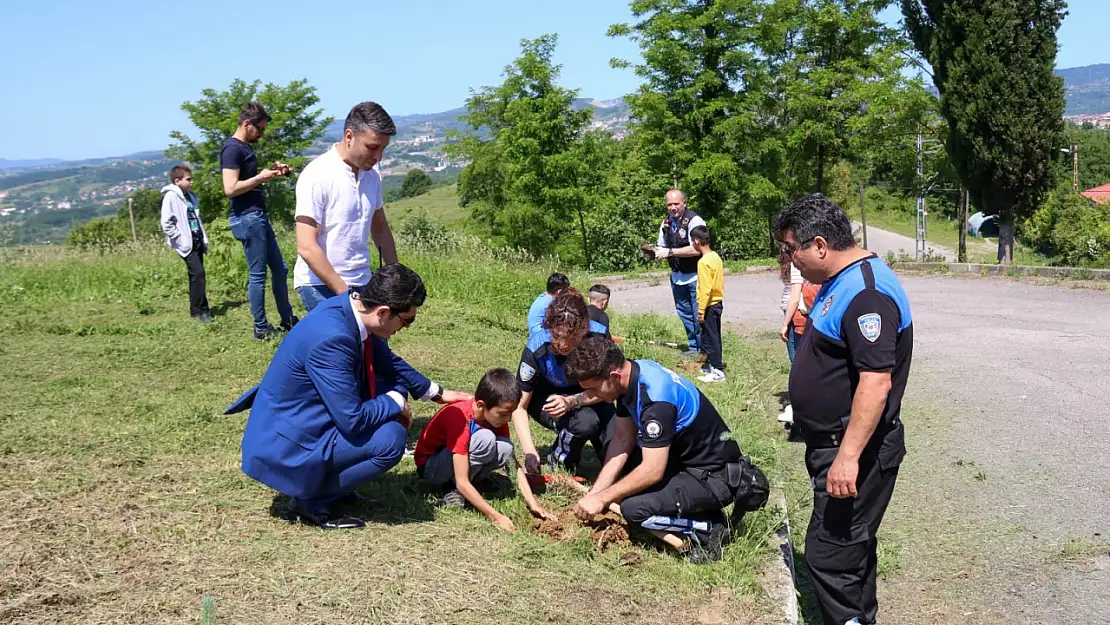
(846, 387)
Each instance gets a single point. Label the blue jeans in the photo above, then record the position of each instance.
(313, 296)
(792, 339)
(686, 305)
(351, 465)
(260, 247)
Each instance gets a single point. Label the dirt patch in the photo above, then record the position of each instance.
(605, 531)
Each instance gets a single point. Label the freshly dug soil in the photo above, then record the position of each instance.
(607, 530)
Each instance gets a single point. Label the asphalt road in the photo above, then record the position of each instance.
(1003, 507)
(882, 241)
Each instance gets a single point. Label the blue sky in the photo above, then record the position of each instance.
(83, 79)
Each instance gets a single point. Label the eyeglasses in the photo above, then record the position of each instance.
(260, 129)
(408, 322)
(790, 249)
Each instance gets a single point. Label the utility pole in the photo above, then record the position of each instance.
(965, 199)
(919, 239)
(862, 216)
(131, 215)
(1075, 167)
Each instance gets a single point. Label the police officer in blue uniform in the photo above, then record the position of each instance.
(846, 386)
(552, 400)
(556, 283)
(682, 466)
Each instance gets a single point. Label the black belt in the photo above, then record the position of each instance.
(833, 439)
(822, 441)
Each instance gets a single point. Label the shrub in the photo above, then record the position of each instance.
(1070, 228)
(101, 234)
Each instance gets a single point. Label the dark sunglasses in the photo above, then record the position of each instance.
(261, 129)
(408, 322)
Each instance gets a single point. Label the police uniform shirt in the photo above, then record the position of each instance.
(540, 366)
(860, 321)
(670, 411)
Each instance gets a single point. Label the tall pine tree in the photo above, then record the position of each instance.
(992, 62)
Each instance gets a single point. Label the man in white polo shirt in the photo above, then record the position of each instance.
(340, 208)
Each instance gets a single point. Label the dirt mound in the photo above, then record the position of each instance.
(607, 530)
(553, 529)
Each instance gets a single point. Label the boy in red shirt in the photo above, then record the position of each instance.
(467, 441)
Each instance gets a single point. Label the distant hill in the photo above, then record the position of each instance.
(1087, 89)
(6, 164)
(409, 126)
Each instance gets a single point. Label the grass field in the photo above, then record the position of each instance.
(125, 502)
(441, 204)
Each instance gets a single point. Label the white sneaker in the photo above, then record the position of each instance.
(713, 375)
(786, 417)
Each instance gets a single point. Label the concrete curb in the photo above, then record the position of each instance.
(978, 269)
(782, 575)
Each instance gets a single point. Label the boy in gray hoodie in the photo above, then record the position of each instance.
(185, 234)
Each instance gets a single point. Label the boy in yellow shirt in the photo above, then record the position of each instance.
(711, 297)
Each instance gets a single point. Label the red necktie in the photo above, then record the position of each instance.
(368, 352)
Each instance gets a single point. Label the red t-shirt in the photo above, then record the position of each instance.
(450, 428)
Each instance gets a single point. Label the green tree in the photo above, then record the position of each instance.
(295, 123)
(993, 65)
(147, 206)
(416, 183)
(700, 112)
(521, 179)
(844, 92)
(1094, 157)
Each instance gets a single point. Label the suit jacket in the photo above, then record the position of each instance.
(314, 391)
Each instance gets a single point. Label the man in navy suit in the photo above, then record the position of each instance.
(332, 410)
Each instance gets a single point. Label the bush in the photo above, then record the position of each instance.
(1071, 229)
(100, 234)
(419, 232)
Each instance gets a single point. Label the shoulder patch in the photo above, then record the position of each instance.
(871, 326)
(652, 429)
(828, 305)
(527, 372)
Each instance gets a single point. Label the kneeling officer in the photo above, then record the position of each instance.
(683, 468)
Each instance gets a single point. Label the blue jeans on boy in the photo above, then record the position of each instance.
(686, 305)
(261, 249)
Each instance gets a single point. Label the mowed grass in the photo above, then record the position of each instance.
(125, 502)
(440, 204)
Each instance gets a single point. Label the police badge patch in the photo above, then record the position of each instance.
(871, 326)
(682, 233)
(828, 304)
(652, 430)
(526, 372)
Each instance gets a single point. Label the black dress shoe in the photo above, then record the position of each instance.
(288, 324)
(325, 520)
